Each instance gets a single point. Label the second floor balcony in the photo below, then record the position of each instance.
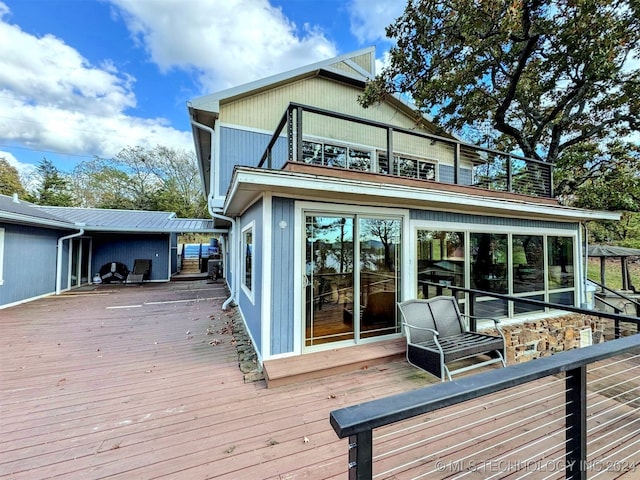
(322, 138)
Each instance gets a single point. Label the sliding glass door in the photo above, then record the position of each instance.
(351, 280)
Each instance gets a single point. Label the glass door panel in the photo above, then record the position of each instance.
(379, 247)
(329, 280)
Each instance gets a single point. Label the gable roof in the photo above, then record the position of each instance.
(355, 72)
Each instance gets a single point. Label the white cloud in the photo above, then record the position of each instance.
(52, 98)
(25, 170)
(225, 42)
(369, 18)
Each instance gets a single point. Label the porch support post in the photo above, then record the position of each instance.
(456, 164)
(576, 432)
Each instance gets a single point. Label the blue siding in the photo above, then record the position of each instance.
(174, 253)
(127, 248)
(252, 312)
(463, 218)
(29, 262)
(282, 249)
(244, 148)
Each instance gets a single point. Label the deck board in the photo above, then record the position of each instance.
(124, 382)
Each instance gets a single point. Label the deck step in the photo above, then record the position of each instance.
(285, 371)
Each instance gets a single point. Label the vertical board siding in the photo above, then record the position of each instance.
(263, 110)
(463, 218)
(282, 248)
(252, 311)
(29, 262)
(241, 148)
(127, 248)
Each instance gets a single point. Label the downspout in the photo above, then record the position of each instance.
(232, 249)
(59, 257)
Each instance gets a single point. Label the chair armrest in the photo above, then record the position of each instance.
(435, 332)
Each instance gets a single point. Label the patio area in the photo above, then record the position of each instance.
(130, 381)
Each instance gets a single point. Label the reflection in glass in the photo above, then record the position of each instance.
(328, 279)
(488, 271)
(440, 262)
(379, 275)
(561, 269)
(528, 263)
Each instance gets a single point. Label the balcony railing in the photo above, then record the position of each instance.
(366, 145)
(557, 423)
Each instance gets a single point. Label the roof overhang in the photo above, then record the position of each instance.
(250, 183)
(17, 218)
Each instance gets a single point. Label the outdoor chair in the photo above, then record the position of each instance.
(437, 336)
(140, 272)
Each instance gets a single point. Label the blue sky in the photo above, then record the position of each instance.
(85, 78)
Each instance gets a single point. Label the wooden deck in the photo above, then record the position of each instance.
(142, 382)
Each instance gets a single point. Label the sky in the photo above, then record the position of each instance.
(81, 79)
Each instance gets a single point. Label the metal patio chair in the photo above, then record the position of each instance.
(436, 336)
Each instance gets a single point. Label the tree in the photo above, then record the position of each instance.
(143, 179)
(10, 182)
(548, 75)
(53, 187)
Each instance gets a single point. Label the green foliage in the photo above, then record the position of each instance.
(54, 188)
(10, 180)
(547, 74)
(143, 179)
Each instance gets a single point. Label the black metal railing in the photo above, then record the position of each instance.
(619, 295)
(457, 162)
(474, 295)
(358, 422)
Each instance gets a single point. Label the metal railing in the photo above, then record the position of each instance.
(568, 456)
(467, 164)
(475, 294)
(358, 422)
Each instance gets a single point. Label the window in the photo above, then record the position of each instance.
(408, 167)
(560, 265)
(440, 261)
(247, 264)
(525, 265)
(339, 156)
(1, 255)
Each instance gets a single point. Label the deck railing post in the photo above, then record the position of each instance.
(361, 456)
(299, 134)
(390, 151)
(576, 432)
(290, 134)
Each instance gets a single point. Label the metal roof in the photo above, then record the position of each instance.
(612, 251)
(134, 221)
(14, 210)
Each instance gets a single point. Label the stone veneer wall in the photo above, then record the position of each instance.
(544, 337)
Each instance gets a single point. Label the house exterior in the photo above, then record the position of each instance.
(336, 212)
(47, 250)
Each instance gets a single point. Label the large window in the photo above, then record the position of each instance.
(533, 266)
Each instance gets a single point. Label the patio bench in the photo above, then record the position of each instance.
(436, 336)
